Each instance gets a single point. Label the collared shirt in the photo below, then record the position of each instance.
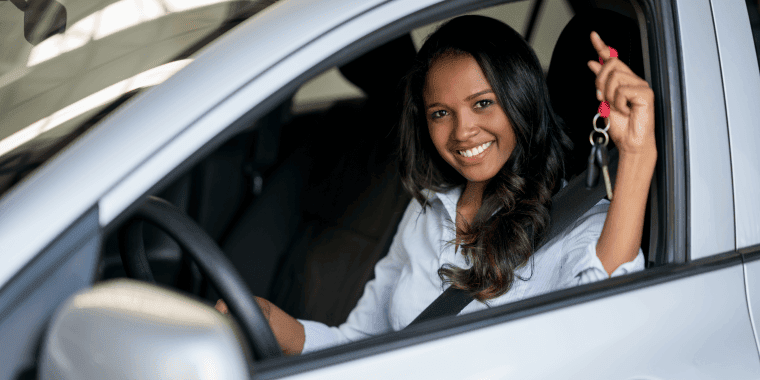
(406, 279)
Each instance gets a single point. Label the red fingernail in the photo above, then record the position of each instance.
(604, 109)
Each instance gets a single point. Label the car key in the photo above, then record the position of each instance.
(592, 172)
(602, 159)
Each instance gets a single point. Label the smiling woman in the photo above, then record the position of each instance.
(481, 153)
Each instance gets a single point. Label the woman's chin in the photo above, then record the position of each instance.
(478, 177)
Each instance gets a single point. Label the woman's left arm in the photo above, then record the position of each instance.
(631, 103)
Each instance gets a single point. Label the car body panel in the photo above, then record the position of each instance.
(710, 193)
(140, 128)
(741, 84)
(26, 304)
(691, 328)
(752, 284)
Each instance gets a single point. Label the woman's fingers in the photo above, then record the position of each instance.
(221, 307)
(627, 97)
(616, 80)
(615, 67)
(601, 48)
(633, 130)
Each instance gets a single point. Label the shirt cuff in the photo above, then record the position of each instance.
(318, 336)
(591, 269)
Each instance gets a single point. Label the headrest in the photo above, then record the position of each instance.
(379, 72)
(571, 82)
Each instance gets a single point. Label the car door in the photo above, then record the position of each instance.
(688, 319)
(741, 82)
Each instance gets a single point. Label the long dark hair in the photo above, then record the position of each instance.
(514, 214)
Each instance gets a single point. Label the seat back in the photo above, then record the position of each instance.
(354, 200)
(571, 83)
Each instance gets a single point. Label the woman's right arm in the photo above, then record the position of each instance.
(287, 330)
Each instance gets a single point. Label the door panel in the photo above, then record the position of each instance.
(741, 84)
(711, 202)
(752, 271)
(696, 327)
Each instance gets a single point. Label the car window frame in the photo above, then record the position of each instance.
(669, 238)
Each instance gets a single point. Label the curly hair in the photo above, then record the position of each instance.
(514, 213)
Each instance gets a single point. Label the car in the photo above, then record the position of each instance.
(211, 121)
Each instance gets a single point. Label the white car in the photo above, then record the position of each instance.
(221, 124)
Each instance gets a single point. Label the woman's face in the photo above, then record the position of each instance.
(468, 127)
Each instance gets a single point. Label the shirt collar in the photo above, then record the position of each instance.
(448, 198)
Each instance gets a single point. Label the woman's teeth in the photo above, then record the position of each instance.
(475, 151)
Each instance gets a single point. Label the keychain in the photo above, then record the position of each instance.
(599, 158)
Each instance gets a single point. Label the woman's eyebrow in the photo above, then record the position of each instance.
(473, 96)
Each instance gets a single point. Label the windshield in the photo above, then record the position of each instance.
(64, 65)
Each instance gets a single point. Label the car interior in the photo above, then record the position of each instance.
(307, 199)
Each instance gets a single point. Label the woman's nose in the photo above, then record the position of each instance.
(465, 128)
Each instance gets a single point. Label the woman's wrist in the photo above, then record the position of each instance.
(644, 158)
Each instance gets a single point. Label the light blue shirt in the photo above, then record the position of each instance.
(406, 280)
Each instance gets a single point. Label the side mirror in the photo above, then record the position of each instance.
(126, 329)
(42, 18)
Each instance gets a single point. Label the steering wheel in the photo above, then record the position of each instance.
(210, 260)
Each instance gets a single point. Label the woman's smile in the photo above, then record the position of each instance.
(476, 152)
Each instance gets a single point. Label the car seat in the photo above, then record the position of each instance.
(330, 210)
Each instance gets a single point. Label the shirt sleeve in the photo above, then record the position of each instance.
(371, 315)
(582, 265)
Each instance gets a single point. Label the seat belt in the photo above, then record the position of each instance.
(569, 204)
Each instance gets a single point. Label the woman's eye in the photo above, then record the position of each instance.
(483, 103)
(438, 114)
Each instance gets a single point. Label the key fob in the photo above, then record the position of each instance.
(592, 171)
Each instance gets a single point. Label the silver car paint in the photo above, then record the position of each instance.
(32, 214)
(161, 334)
(711, 200)
(741, 84)
(752, 285)
(695, 328)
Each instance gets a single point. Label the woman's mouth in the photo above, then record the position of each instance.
(476, 151)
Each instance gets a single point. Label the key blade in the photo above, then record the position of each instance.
(607, 182)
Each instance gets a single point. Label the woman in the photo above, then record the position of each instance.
(482, 153)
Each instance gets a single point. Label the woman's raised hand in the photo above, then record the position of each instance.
(631, 102)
